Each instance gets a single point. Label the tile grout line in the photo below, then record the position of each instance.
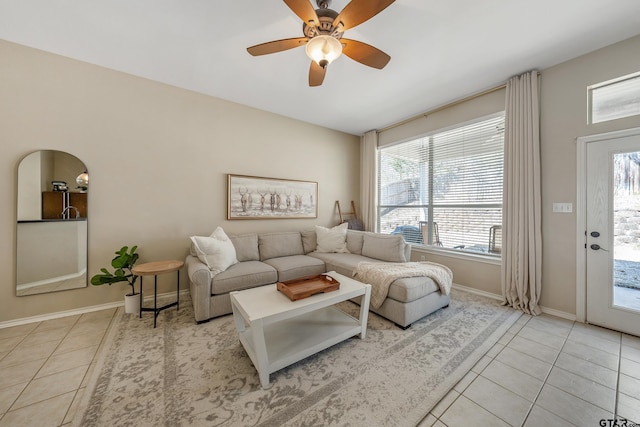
(494, 358)
(28, 382)
(578, 397)
(75, 395)
(44, 363)
(39, 369)
(89, 368)
(544, 382)
(460, 394)
(525, 373)
(478, 374)
(615, 405)
(548, 373)
(24, 337)
(9, 352)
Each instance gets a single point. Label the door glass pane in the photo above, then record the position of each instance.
(626, 254)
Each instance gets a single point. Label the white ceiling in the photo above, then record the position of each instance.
(441, 50)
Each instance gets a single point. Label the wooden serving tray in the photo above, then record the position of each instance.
(306, 286)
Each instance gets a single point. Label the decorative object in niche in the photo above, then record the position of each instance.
(251, 197)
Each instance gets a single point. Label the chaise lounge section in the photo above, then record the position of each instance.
(266, 258)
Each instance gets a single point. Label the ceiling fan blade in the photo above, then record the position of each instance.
(316, 74)
(364, 53)
(304, 10)
(276, 46)
(359, 11)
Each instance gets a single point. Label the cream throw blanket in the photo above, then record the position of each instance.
(380, 275)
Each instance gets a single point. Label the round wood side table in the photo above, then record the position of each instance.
(153, 269)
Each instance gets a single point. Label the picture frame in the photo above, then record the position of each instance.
(254, 197)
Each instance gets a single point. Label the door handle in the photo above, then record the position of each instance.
(595, 234)
(597, 247)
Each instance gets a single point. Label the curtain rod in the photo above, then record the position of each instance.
(443, 107)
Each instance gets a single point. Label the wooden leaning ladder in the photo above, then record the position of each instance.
(353, 211)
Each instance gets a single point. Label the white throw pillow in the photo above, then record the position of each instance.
(332, 239)
(216, 251)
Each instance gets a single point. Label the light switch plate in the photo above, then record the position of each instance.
(563, 207)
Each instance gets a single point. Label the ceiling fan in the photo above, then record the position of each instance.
(323, 29)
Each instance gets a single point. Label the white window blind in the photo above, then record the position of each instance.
(445, 189)
(614, 99)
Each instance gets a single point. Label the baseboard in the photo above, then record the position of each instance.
(558, 313)
(74, 312)
(477, 292)
(545, 310)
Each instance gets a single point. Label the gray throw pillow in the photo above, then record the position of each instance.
(246, 246)
(384, 247)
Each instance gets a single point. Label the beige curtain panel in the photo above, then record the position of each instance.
(521, 222)
(368, 179)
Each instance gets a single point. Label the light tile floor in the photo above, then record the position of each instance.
(545, 371)
(45, 366)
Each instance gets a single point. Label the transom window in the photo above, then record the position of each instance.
(445, 189)
(614, 99)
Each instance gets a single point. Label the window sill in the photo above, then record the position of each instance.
(452, 253)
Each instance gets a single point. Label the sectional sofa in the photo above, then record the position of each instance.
(266, 258)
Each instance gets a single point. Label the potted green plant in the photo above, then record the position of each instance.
(123, 264)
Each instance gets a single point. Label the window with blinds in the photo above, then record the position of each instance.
(614, 99)
(445, 189)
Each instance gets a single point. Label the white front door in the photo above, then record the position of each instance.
(613, 233)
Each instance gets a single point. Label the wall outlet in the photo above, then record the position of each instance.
(423, 258)
(563, 207)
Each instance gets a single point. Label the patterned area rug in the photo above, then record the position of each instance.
(184, 374)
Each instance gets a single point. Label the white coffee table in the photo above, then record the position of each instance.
(277, 332)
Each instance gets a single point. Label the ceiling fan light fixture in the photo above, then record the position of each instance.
(323, 49)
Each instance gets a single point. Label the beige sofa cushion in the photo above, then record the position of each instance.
(279, 244)
(354, 241)
(411, 288)
(243, 275)
(384, 247)
(246, 246)
(309, 241)
(296, 266)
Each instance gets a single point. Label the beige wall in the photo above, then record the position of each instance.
(563, 119)
(157, 157)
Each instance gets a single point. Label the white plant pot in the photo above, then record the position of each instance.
(132, 304)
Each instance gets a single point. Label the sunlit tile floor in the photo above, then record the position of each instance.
(548, 371)
(545, 371)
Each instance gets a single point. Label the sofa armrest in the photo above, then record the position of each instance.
(199, 287)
